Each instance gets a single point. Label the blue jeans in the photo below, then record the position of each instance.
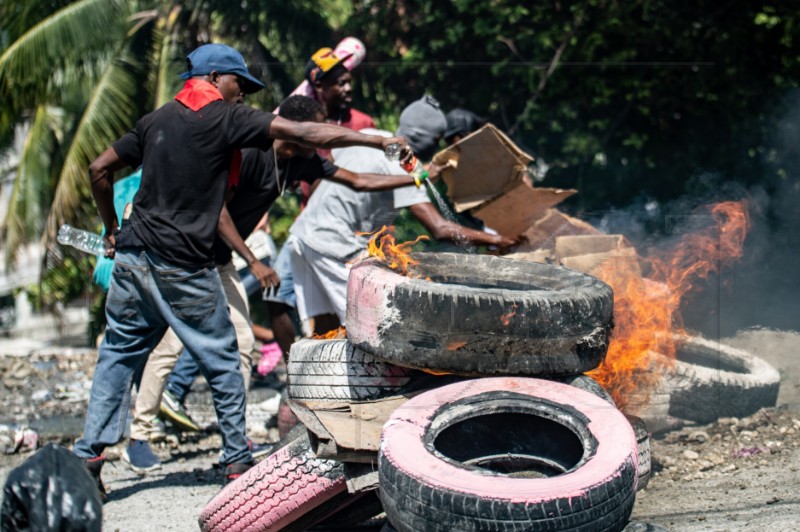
(283, 267)
(180, 380)
(147, 295)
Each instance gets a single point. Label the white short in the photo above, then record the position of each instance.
(320, 282)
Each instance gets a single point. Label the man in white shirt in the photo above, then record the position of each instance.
(327, 237)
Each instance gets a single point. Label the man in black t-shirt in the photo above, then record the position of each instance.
(263, 177)
(164, 273)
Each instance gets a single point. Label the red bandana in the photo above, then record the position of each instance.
(197, 93)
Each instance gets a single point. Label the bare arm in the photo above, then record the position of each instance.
(442, 229)
(328, 136)
(370, 182)
(101, 175)
(227, 231)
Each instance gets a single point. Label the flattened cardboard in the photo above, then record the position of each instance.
(515, 211)
(574, 245)
(542, 234)
(623, 260)
(348, 426)
(484, 164)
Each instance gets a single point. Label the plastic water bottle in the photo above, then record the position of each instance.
(393, 152)
(413, 167)
(85, 241)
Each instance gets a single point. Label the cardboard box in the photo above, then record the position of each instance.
(487, 176)
(574, 245)
(543, 233)
(623, 261)
(513, 212)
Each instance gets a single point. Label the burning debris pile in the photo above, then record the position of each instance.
(502, 416)
(652, 362)
(510, 421)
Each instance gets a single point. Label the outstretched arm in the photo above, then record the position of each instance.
(370, 182)
(328, 136)
(442, 229)
(101, 175)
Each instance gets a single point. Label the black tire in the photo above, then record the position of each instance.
(335, 370)
(588, 384)
(362, 511)
(480, 315)
(507, 454)
(643, 451)
(644, 470)
(708, 381)
(288, 490)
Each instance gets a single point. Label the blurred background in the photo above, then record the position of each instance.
(649, 109)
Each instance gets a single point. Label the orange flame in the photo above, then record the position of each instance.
(646, 309)
(334, 334)
(397, 256)
(505, 319)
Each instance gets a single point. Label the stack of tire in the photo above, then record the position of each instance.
(520, 440)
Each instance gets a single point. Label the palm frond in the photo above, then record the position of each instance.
(110, 112)
(164, 50)
(18, 17)
(31, 193)
(73, 35)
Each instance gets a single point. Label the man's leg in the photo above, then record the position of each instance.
(280, 305)
(195, 306)
(134, 327)
(148, 399)
(282, 326)
(320, 282)
(180, 381)
(240, 316)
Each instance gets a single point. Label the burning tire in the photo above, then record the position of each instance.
(290, 484)
(507, 454)
(480, 315)
(335, 370)
(707, 381)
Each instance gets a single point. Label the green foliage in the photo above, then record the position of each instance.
(620, 99)
(66, 282)
(282, 215)
(659, 91)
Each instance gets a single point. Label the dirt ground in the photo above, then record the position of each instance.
(732, 475)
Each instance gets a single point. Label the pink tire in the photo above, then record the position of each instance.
(507, 453)
(480, 315)
(290, 484)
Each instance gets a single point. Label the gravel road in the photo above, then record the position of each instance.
(735, 474)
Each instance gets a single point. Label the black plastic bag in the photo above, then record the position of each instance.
(51, 490)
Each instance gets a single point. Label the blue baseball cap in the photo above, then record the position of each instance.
(223, 59)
